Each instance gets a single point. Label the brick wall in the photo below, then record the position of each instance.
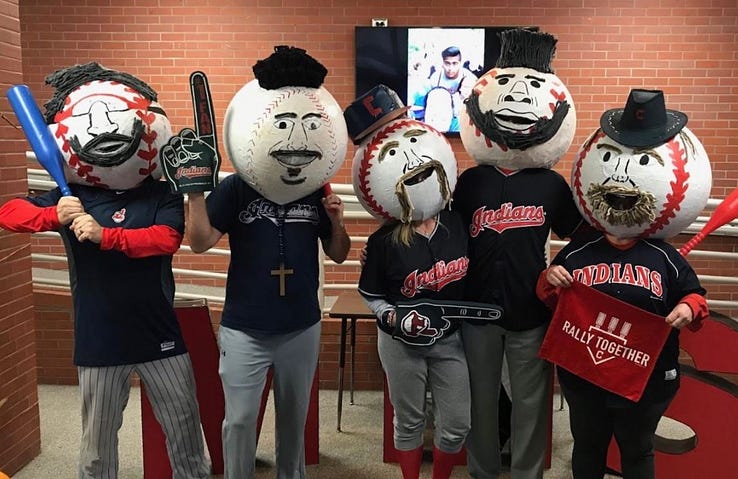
(20, 440)
(605, 48)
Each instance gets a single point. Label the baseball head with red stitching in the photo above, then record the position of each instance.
(108, 125)
(519, 114)
(405, 170)
(643, 174)
(284, 133)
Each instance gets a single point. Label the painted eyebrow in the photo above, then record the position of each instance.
(158, 110)
(285, 115)
(608, 146)
(532, 77)
(505, 75)
(414, 132)
(652, 153)
(311, 115)
(386, 148)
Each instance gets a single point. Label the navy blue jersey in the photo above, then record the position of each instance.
(262, 235)
(510, 216)
(123, 311)
(650, 275)
(433, 268)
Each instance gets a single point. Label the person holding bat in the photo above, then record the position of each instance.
(285, 137)
(413, 274)
(625, 183)
(120, 228)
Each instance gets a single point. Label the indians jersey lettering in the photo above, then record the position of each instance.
(506, 217)
(435, 278)
(617, 273)
(262, 208)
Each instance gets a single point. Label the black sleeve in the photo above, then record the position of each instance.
(50, 198)
(171, 211)
(686, 280)
(460, 203)
(223, 203)
(567, 218)
(372, 281)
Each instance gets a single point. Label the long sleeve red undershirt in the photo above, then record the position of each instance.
(21, 216)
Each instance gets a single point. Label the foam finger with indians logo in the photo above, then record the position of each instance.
(424, 321)
(604, 340)
(190, 159)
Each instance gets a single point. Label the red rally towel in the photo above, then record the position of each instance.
(604, 340)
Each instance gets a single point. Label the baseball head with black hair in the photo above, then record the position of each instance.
(108, 125)
(284, 132)
(520, 114)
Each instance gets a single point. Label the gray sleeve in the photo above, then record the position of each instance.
(378, 306)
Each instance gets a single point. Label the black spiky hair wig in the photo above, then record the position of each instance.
(289, 66)
(68, 79)
(521, 47)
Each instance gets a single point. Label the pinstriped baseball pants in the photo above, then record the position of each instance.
(170, 385)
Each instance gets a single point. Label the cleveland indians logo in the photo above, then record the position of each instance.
(417, 329)
(119, 216)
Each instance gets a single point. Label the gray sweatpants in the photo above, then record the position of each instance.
(529, 384)
(410, 370)
(244, 363)
(170, 386)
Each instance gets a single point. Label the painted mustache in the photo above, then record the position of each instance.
(417, 176)
(109, 149)
(621, 206)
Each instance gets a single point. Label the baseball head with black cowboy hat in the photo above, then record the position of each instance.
(520, 114)
(644, 122)
(643, 173)
(283, 131)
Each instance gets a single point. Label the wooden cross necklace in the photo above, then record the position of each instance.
(282, 272)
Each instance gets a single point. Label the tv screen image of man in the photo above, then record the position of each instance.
(441, 96)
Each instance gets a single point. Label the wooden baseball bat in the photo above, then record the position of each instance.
(38, 134)
(725, 212)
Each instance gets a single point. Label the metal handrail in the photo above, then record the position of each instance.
(39, 179)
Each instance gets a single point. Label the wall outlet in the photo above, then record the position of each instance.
(379, 22)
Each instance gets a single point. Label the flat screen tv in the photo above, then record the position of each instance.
(432, 69)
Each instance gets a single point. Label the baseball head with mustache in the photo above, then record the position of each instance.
(519, 115)
(284, 133)
(405, 170)
(642, 173)
(108, 125)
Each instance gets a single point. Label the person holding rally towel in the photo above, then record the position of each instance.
(624, 180)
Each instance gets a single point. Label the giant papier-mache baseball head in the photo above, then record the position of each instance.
(108, 125)
(403, 169)
(642, 173)
(519, 115)
(283, 132)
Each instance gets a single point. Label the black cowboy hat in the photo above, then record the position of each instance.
(371, 110)
(644, 122)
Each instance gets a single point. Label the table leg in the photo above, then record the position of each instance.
(341, 364)
(353, 358)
